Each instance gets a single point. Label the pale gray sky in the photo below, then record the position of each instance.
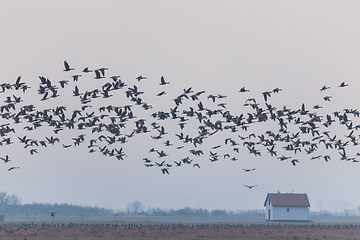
(216, 46)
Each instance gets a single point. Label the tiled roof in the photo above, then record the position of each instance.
(288, 199)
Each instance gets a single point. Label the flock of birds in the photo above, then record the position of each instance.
(105, 129)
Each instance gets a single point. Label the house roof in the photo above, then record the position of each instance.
(288, 199)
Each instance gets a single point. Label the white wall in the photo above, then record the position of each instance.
(269, 210)
(290, 213)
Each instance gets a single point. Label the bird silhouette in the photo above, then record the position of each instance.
(343, 84)
(249, 169)
(141, 77)
(324, 88)
(98, 74)
(6, 159)
(243, 89)
(12, 168)
(165, 171)
(87, 70)
(196, 165)
(63, 83)
(67, 67)
(162, 81)
(294, 161)
(250, 186)
(161, 93)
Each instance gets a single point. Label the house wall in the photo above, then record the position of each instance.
(269, 210)
(290, 213)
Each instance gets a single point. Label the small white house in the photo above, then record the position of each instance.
(287, 207)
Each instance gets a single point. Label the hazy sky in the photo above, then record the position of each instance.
(216, 46)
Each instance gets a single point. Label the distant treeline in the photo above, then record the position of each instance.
(136, 208)
(343, 213)
(199, 212)
(48, 208)
(10, 205)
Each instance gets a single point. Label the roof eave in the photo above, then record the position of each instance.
(267, 196)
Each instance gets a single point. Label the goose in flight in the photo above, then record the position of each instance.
(87, 70)
(18, 84)
(147, 160)
(98, 74)
(250, 186)
(316, 157)
(243, 90)
(32, 151)
(188, 90)
(161, 154)
(165, 171)
(63, 83)
(327, 158)
(248, 169)
(76, 77)
(343, 84)
(178, 163)
(276, 90)
(12, 168)
(271, 151)
(324, 88)
(6, 159)
(327, 98)
(196, 165)
(67, 67)
(266, 95)
(294, 162)
(141, 77)
(102, 70)
(162, 81)
(161, 93)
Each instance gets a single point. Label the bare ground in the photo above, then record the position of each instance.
(177, 231)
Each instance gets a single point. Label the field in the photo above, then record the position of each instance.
(177, 231)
